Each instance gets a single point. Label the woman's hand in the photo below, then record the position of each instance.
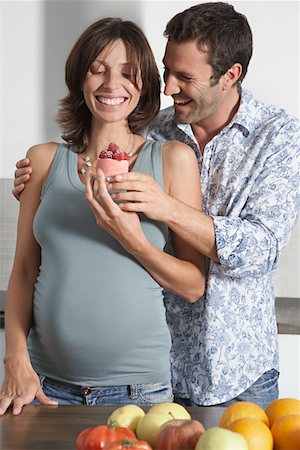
(20, 387)
(124, 226)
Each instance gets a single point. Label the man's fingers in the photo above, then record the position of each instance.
(17, 190)
(22, 163)
(21, 179)
(132, 176)
(137, 207)
(127, 185)
(130, 196)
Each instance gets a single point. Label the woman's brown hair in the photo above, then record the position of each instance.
(73, 115)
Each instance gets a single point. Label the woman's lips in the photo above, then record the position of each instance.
(111, 101)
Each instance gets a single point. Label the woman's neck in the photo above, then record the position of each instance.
(100, 138)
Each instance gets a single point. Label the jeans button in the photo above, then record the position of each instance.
(86, 390)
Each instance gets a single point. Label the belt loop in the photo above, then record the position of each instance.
(133, 391)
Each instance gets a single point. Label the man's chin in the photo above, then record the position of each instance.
(182, 118)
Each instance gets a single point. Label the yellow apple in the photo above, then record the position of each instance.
(174, 410)
(149, 426)
(126, 416)
(217, 438)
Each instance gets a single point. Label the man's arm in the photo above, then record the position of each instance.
(246, 244)
(144, 195)
(22, 175)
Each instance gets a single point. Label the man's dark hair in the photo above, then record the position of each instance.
(219, 30)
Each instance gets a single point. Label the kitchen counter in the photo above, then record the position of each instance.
(56, 427)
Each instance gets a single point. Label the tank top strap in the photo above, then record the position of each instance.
(59, 166)
(150, 161)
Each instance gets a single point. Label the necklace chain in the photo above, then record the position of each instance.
(89, 165)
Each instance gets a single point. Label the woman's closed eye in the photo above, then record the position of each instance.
(97, 68)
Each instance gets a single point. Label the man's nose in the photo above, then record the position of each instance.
(171, 86)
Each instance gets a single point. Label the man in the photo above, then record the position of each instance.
(225, 345)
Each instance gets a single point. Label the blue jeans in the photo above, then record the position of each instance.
(138, 394)
(262, 392)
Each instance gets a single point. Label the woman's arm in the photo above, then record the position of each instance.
(21, 384)
(182, 274)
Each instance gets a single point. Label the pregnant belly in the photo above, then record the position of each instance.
(80, 342)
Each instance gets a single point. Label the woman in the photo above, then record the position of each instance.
(85, 320)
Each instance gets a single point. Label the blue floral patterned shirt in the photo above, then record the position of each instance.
(250, 186)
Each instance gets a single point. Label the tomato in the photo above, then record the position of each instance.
(98, 437)
(132, 444)
(81, 438)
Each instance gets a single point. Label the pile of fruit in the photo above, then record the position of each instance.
(169, 426)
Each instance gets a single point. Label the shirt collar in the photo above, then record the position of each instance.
(244, 116)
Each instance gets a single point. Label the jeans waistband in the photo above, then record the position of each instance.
(84, 390)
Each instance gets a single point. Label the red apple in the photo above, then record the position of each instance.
(179, 434)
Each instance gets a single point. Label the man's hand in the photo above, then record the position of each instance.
(140, 193)
(22, 175)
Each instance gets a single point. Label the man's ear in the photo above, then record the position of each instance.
(231, 76)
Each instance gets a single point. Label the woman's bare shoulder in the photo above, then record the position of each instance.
(41, 157)
(178, 151)
(42, 151)
(181, 170)
(177, 154)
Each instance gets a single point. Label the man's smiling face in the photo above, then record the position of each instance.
(189, 80)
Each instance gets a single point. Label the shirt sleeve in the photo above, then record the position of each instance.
(250, 245)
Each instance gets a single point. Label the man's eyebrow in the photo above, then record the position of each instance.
(180, 73)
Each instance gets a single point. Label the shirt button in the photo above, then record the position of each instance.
(86, 390)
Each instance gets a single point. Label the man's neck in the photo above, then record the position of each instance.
(205, 130)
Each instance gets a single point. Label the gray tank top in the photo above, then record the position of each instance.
(99, 317)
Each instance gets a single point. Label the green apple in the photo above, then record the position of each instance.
(174, 410)
(126, 416)
(149, 426)
(217, 438)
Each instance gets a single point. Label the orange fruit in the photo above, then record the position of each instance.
(256, 433)
(282, 407)
(286, 432)
(239, 410)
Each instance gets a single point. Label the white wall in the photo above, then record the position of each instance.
(35, 39)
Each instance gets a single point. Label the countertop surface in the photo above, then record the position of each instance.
(56, 428)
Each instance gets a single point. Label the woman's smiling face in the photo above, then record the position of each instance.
(109, 86)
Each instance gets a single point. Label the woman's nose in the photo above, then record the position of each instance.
(112, 80)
